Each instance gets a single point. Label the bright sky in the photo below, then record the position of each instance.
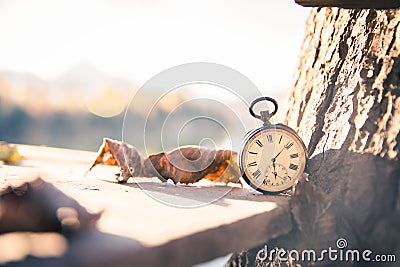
(138, 39)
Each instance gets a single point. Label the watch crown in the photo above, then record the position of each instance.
(265, 117)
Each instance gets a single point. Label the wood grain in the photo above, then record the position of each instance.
(136, 228)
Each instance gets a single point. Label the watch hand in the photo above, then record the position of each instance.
(278, 154)
(273, 165)
(274, 172)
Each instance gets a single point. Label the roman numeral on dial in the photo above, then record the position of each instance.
(251, 164)
(289, 145)
(293, 166)
(258, 142)
(256, 174)
(293, 156)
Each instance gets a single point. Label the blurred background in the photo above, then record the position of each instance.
(68, 68)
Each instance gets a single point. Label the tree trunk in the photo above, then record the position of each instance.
(345, 105)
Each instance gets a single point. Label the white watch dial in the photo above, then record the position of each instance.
(273, 159)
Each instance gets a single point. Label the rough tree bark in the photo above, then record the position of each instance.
(345, 105)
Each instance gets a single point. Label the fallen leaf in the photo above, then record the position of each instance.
(9, 153)
(191, 164)
(38, 206)
(183, 165)
(123, 155)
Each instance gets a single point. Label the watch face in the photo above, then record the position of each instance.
(272, 159)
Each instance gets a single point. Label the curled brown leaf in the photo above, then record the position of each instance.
(38, 206)
(123, 155)
(186, 165)
(191, 164)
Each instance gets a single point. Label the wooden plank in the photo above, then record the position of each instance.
(355, 4)
(142, 221)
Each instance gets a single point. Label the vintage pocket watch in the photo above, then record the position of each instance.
(272, 157)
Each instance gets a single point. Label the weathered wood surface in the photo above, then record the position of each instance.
(356, 4)
(345, 105)
(137, 230)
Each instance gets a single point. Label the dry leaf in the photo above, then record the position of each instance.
(38, 206)
(9, 153)
(115, 153)
(191, 164)
(182, 165)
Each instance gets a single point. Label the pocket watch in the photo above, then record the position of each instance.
(272, 157)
